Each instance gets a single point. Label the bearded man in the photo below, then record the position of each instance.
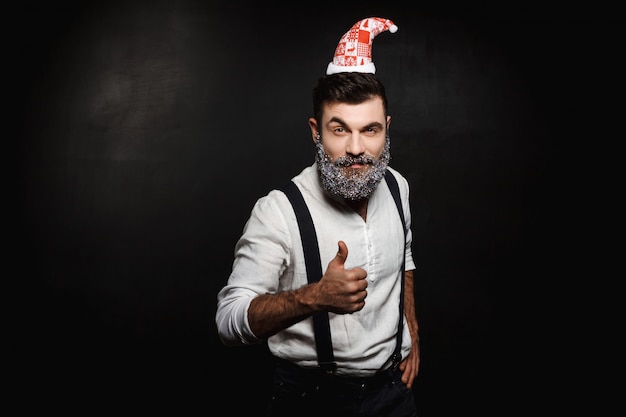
(365, 293)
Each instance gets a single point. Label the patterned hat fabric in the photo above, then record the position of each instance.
(354, 51)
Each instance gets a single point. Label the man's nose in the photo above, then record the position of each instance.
(355, 144)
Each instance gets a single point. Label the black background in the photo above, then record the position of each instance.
(145, 131)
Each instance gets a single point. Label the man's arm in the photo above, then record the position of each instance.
(410, 365)
(270, 313)
(339, 291)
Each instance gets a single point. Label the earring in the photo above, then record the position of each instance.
(318, 136)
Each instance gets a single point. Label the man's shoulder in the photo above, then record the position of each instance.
(275, 198)
(307, 180)
(395, 172)
(401, 179)
(306, 175)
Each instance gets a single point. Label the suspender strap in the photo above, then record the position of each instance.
(323, 342)
(396, 357)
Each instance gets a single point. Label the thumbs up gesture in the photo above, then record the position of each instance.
(342, 290)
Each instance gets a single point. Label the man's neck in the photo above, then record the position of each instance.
(360, 206)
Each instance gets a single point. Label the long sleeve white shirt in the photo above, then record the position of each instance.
(269, 259)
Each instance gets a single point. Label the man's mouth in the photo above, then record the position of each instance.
(355, 163)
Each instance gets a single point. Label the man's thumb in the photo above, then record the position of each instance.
(342, 252)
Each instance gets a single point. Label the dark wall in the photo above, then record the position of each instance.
(146, 131)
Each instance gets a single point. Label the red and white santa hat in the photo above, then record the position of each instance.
(354, 51)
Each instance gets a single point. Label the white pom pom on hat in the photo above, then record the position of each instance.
(354, 51)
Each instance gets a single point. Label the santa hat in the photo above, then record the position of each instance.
(354, 51)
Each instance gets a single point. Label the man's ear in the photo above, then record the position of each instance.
(315, 132)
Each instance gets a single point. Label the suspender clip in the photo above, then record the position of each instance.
(328, 368)
(396, 358)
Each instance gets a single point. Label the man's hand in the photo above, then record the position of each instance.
(342, 290)
(410, 365)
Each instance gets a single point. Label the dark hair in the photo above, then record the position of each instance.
(347, 87)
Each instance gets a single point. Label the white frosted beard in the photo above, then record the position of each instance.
(352, 184)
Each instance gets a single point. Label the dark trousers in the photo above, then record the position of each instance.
(301, 392)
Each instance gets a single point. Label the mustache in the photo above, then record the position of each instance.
(346, 161)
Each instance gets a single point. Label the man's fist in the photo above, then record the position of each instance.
(343, 290)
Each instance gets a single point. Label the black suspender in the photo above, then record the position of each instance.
(395, 191)
(323, 341)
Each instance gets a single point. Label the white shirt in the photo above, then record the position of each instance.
(269, 259)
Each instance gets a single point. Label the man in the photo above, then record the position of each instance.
(364, 296)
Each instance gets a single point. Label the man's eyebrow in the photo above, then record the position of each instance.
(340, 121)
(336, 120)
(376, 125)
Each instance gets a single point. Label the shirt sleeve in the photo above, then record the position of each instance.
(261, 256)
